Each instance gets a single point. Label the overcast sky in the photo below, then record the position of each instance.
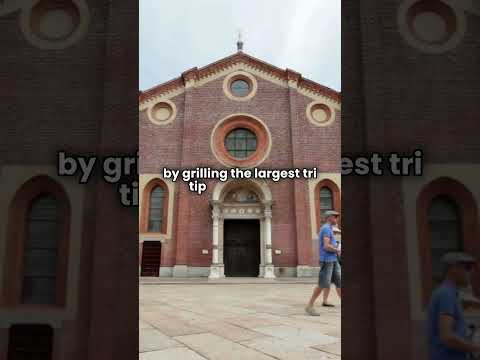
(177, 35)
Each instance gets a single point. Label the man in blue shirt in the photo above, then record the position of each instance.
(329, 266)
(446, 326)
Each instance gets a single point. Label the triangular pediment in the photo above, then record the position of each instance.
(197, 77)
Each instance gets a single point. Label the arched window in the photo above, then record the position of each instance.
(445, 235)
(327, 197)
(326, 200)
(155, 214)
(154, 210)
(447, 220)
(40, 251)
(38, 242)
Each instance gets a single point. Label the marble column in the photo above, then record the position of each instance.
(215, 269)
(269, 268)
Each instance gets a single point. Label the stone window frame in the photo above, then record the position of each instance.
(404, 24)
(328, 109)
(468, 216)
(49, 44)
(157, 122)
(18, 209)
(337, 202)
(237, 121)
(240, 75)
(145, 210)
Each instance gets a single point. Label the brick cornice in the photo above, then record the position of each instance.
(191, 76)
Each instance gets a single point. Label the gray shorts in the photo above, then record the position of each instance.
(330, 272)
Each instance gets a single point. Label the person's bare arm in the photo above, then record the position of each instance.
(449, 338)
(327, 244)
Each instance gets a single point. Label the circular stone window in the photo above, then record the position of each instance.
(162, 112)
(430, 25)
(241, 141)
(319, 114)
(53, 24)
(240, 86)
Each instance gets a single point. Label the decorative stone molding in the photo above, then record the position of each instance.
(246, 121)
(269, 272)
(240, 75)
(431, 26)
(190, 77)
(216, 271)
(320, 114)
(162, 112)
(50, 24)
(245, 63)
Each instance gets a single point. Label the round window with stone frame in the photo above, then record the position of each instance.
(320, 114)
(53, 24)
(240, 140)
(162, 113)
(240, 86)
(431, 26)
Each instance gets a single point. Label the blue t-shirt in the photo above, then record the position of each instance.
(327, 256)
(445, 301)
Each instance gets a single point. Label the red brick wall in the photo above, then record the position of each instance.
(185, 143)
(82, 99)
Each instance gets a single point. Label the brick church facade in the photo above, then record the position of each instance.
(236, 112)
(399, 98)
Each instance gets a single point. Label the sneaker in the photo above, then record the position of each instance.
(310, 310)
(328, 305)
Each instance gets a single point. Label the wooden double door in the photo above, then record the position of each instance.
(241, 248)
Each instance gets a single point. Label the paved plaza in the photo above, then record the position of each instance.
(244, 320)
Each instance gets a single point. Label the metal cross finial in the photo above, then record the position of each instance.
(239, 42)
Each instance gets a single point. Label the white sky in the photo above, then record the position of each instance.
(177, 35)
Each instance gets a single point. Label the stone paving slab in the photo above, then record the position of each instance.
(330, 348)
(285, 350)
(297, 336)
(235, 321)
(214, 347)
(182, 353)
(152, 339)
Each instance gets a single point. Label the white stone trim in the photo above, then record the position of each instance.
(220, 212)
(221, 121)
(76, 35)
(244, 74)
(312, 184)
(172, 117)
(247, 69)
(144, 179)
(205, 271)
(430, 48)
(313, 121)
(12, 178)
